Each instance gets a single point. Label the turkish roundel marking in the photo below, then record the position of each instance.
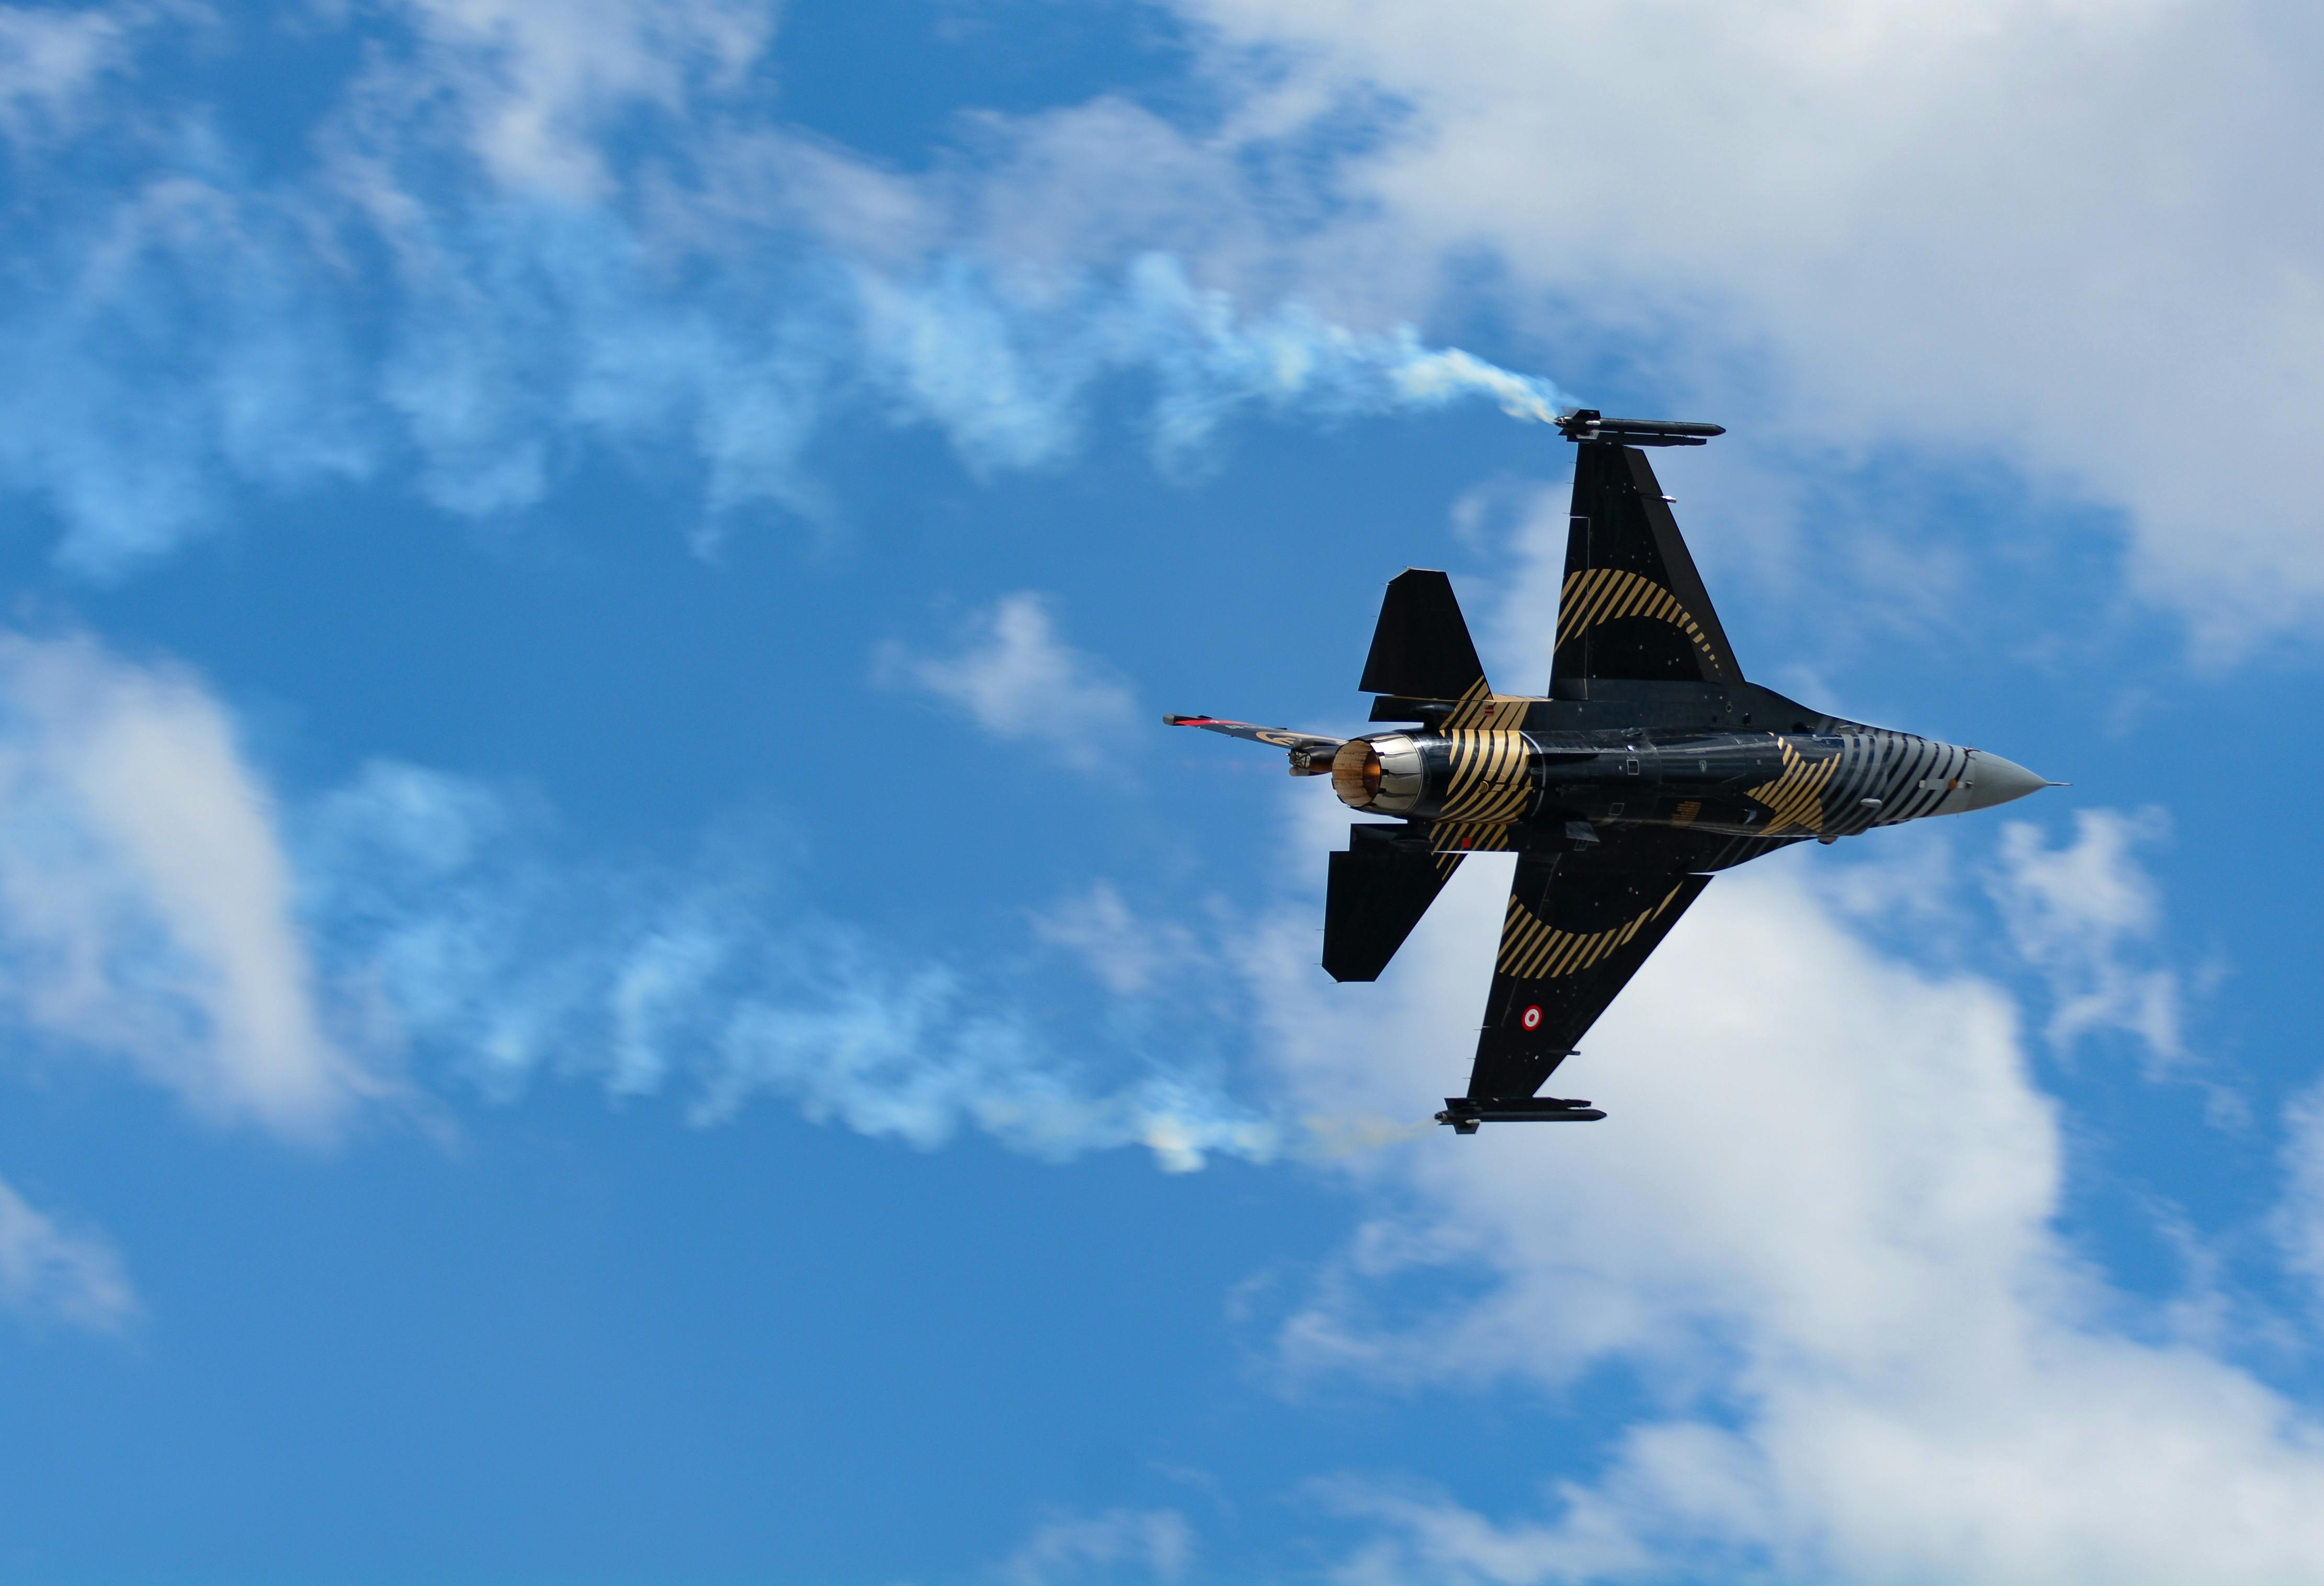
(1530, 1019)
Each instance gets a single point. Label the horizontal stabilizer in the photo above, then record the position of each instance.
(1311, 752)
(1421, 647)
(1377, 890)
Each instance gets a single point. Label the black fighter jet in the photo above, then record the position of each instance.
(1648, 766)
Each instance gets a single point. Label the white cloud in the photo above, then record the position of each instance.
(1017, 680)
(515, 964)
(2298, 1219)
(1819, 1225)
(536, 85)
(1119, 1545)
(53, 1273)
(2054, 234)
(2081, 914)
(1126, 953)
(50, 63)
(146, 905)
(2034, 236)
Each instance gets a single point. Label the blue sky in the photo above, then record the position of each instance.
(610, 977)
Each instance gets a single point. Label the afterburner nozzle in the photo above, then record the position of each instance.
(1384, 774)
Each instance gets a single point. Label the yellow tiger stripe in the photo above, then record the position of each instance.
(1605, 595)
(1521, 963)
(1795, 798)
(1595, 589)
(1518, 944)
(1532, 950)
(1475, 695)
(1539, 957)
(1468, 837)
(1609, 589)
(1487, 782)
(1456, 744)
(1569, 602)
(1560, 960)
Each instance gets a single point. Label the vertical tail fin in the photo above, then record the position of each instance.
(1634, 606)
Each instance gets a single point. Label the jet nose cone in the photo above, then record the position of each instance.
(1995, 780)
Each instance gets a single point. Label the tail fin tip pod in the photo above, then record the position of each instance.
(1421, 647)
(1584, 425)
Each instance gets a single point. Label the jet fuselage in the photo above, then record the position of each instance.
(1551, 773)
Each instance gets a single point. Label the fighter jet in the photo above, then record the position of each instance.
(1649, 766)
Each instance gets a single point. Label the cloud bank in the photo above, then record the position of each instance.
(2048, 236)
(1822, 1226)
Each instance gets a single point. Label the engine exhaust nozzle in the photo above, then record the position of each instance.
(1384, 774)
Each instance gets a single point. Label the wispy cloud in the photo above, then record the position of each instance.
(457, 296)
(1119, 1545)
(708, 981)
(1018, 679)
(1128, 954)
(54, 1273)
(527, 89)
(145, 900)
(2086, 915)
(2298, 1219)
(53, 62)
(1822, 1223)
(153, 913)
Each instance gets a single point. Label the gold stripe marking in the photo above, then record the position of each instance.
(1533, 949)
(1601, 597)
(1795, 798)
(1468, 837)
(1605, 595)
(1474, 695)
(1489, 782)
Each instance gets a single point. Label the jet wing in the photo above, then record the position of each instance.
(1569, 942)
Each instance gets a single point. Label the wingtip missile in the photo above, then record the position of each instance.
(1464, 1113)
(1587, 425)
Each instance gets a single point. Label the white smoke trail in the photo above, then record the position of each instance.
(481, 952)
(171, 344)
